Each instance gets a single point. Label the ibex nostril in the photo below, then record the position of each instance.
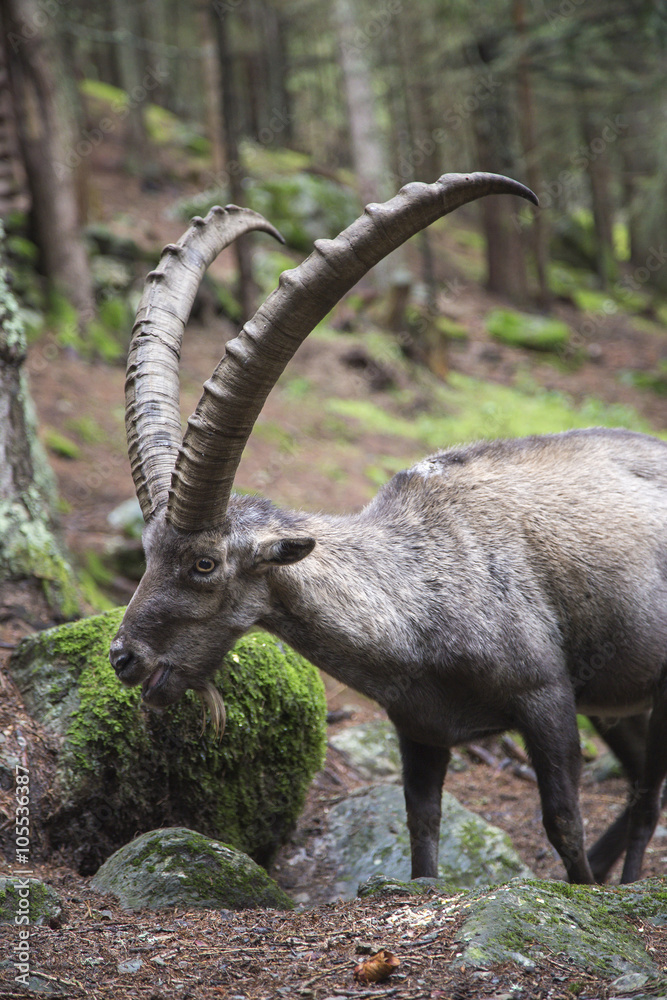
(119, 661)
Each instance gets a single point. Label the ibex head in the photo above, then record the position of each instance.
(209, 554)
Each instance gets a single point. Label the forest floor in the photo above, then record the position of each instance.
(301, 457)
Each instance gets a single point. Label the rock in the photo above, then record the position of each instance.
(121, 768)
(523, 922)
(380, 885)
(178, 867)
(604, 767)
(367, 834)
(29, 897)
(372, 748)
(128, 518)
(629, 982)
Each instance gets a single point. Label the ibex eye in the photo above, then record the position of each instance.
(205, 565)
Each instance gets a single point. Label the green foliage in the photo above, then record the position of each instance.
(304, 207)
(573, 240)
(108, 335)
(268, 266)
(540, 333)
(655, 381)
(227, 302)
(21, 249)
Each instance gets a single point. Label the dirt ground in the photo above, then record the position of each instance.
(309, 954)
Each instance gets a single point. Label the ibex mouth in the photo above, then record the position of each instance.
(156, 680)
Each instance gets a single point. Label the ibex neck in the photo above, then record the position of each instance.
(340, 604)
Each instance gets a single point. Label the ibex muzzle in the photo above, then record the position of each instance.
(505, 584)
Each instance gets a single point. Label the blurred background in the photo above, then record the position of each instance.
(120, 120)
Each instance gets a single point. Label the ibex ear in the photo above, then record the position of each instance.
(282, 551)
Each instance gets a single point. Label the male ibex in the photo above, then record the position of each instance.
(499, 585)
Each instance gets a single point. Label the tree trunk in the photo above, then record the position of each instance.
(212, 88)
(538, 232)
(247, 287)
(125, 14)
(599, 176)
(368, 153)
(32, 563)
(506, 265)
(10, 169)
(43, 131)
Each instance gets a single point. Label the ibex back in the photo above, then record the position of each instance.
(506, 584)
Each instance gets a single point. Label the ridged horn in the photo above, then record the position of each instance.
(234, 395)
(152, 414)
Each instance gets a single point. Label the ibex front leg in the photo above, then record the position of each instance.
(424, 770)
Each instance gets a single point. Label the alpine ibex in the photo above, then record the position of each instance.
(504, 584)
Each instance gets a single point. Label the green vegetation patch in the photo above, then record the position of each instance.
(539, 333)
(122, 768)
(60, 444)
(474, 410)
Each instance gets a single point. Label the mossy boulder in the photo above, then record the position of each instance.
(30, 898)
(367, 834)
(372, 749)
(122, 769)
(178, 867)
(539, 333)
(523, 922)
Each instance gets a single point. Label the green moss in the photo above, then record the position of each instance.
(30, 550)
(474, 410)
(522, 922)
(44, 904)
(540, 333)
(59, 444)
(450, 329)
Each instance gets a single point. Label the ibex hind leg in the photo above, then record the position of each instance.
(548, 723)
(626, 737)
(644, 809)
(424, 770)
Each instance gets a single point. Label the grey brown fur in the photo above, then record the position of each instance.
(504, 584)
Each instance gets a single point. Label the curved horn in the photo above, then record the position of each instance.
(234, 395)
(152, 414)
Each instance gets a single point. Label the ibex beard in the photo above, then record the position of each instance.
(500, 585)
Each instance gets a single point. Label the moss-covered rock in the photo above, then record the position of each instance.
(372, 748)
(523, 922)
(540, 333)
(123, 769)
(178, 867)
(367, 834)
(22, 898)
